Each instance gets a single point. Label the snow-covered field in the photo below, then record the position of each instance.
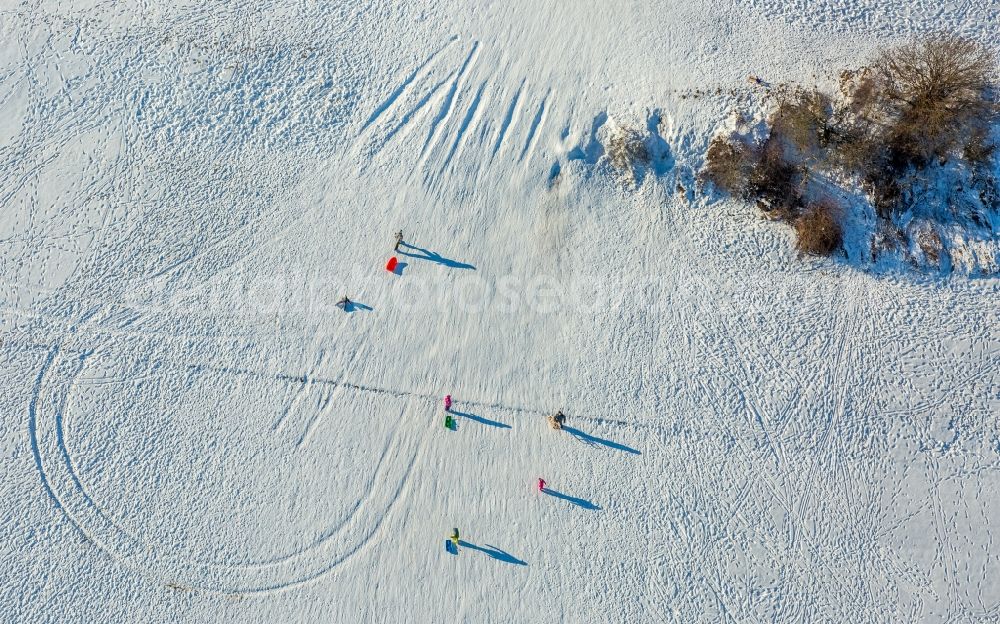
(192, 431)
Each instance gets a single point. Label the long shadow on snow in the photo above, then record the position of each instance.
(354, 306)
(579, 502)
(485, 421)
(433, 257)
(589, 439)
(494, 552)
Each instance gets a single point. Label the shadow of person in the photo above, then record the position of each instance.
(494, 552)
(352, 306)
(425, 254)
(480, 419)
(594, 440)
(579, 502)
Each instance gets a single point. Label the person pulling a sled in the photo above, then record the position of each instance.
(399, 240)
(557, 420)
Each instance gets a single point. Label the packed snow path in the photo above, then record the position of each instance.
(194, 431)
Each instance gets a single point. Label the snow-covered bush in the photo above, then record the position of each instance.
(626, 148)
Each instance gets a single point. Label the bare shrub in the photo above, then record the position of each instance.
(859, 93)
(727, 164)
(626, 148)
(803, 118)
(933, 91)
(884, 191)
(817, 230)
(988, 190)
(774, 182)
(979, 149)
(887, 238)
(930, 243)
(857, 151)
(856, 127)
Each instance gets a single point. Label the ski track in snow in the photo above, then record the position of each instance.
(782, 442)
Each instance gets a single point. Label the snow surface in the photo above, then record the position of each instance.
(192, 430)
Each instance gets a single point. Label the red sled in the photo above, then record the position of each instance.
(391, 265)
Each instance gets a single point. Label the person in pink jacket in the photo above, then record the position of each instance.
(447, 402)
(541, 485)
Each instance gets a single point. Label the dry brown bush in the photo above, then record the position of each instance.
(883, 189)
(933, 93)
(774, 182)
(859, 92)
(857, 124)
(727, 164)
(818, 231)
(979, 149)
(803, 118)
(886, 239)
(856, 151)
(930, 243)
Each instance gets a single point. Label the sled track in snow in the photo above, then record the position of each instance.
(400, 91)
(334, 547)
(429, 95)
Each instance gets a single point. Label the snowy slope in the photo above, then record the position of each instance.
(192, 430)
